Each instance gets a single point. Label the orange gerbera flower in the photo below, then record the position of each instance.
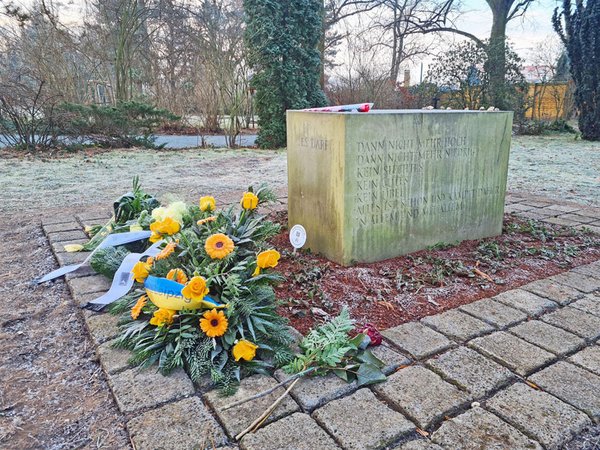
(218, 246)
(213, 323)
(207, 220)
(137, 308)
(162, 317)
(167, 251)
(177, 275)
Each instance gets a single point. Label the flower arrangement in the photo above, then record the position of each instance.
(205, 303)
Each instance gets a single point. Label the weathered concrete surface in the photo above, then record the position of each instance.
(88, 285)
(421, 395)
(102, 327)
(419, 444)
(471, 371)
(531, 304)
(136, 389)
(576, 321)
(458, 325)
(373, 186)
(417, 340)
(494, 313)
(538, 414)
(548, 337)
(478, 429)
(295, 432)
(512, 352)
(391, 358)
(573, 385)
(237, 419)
(185, 424)
(361, 422)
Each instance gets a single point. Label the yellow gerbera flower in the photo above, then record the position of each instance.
(167, 251)
(162, 317)
(177, 275)
(218, 246)
(166, 226)
(213, 323)
(266, 259)
(249, 200)
(207, 203)
(196, 289)
(245, 350)
(207, 220)
(137, 308)
(141, 270)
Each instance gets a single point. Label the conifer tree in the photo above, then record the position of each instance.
(579, 28)
(282, 39)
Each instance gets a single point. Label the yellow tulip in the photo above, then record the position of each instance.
(249, 200)
(141, 271)
(207, 203)
(72, 248)
(162, 317)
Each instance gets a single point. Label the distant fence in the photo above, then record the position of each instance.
(549, 101)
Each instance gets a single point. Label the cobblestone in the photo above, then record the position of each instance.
(578, 281)
(548, 337)
(528, 302)
(102, 327)
(494, 313)
(417, 339)
(421, 395)
(237, 419)
(185, 424)
(471, 371)
(63, 236)
(295, 432)
(591, 270)
(576, 321)
(516, 354)
(390, 358)
(554, 291)
(590, 304)
(573, 385)
(136, 389)
(373, 424)
(87, 285)
(538, 414)
(113, 359)
(478, 429)
(59, 227)
(313, 392)
(457, 325)
(588, 358)
(419, 444)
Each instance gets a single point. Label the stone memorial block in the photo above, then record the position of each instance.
(372, 186)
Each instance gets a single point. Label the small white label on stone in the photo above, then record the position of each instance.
(297, 236)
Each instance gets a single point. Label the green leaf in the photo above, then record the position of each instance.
(369, 374)
(366, 356)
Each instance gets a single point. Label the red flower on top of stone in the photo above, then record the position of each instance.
(370, 330)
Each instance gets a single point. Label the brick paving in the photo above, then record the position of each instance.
(517, 371)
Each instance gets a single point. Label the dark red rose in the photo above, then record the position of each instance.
(370, 330)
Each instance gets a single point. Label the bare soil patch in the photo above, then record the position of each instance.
(407, 288)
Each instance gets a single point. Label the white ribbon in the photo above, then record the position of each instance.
(112, 240)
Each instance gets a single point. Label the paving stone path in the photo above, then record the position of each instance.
(517, 371)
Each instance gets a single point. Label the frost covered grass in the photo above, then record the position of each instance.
(554, 166)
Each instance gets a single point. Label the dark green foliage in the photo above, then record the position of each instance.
(282, 40)
(130, 205)
(106, 261)
(126, 125)
(579, 28)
